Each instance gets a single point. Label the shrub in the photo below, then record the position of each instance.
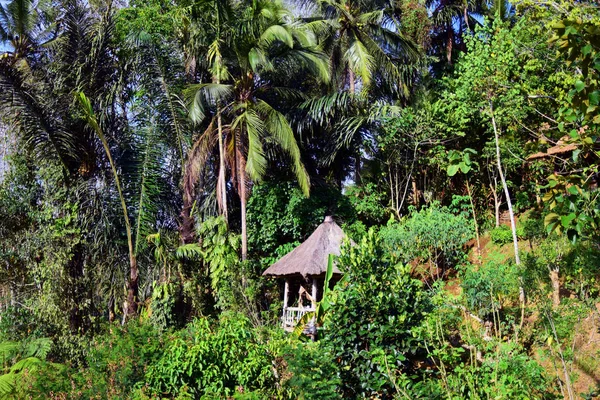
(213, 361)
(507, 373)
(117, 362)
(368, 330)
(432, 234)
(314, 372)
(503, 234)
(490, 286)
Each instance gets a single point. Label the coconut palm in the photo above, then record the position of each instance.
(367, 50)
(24, 25)
(364, 40)
(266, 42)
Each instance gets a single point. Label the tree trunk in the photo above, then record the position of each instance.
(221, 184)
(474, 219)
(130, 305)
(494, 189)
(449, 42)
(357, 158)
(505, 187)
(241, 176)
(415, 192)
(554, 278)
(130, 308)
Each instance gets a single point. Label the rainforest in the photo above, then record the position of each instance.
(299, 199)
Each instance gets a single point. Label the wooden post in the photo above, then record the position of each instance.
(314, 293)
(286, 290)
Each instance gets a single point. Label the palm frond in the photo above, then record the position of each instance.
(149, 173)
(274, 34)
(279, 128)
(201, 96)
(360, 61)
(251, 123)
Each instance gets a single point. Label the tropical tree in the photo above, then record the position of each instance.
(265, 43)
(367, 50)
(25, 25)
(363, 40)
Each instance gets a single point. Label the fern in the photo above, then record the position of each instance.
(7, 385)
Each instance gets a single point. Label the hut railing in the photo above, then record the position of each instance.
(291, 316)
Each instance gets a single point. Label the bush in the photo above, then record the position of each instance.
(433, 235)
(368, 330)
(508, 373)
(503, 234)
(117, 361)
(491, 286)
(212, 361)
(314, 372)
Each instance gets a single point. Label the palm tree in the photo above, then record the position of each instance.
(215, 20)
(266, 42)
(39, 102)
(24, 27)
(363, 40)
(366, 48)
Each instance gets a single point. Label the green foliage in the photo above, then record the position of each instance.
(278, 213)
(368, 330)
(21, 362)
(162, 306)
(212, 361)
(367, 200)
(488, 288)
(572, 199)
(508, 374)
(503, 234)
(314, 372)
(574, 262)
(460, 161)
(432, 235)
(156, 18)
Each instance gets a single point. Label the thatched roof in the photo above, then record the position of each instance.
(310, 258)
(561, 147)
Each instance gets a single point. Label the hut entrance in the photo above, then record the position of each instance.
(303, 270)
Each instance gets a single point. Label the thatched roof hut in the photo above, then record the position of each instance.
(307, 264)
(310, 258)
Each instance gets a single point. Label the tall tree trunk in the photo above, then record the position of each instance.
(221, 184)
(554, 278)
(415, 192)
(130, 305)
(474, 219)
(449, 42)
(357, 157)
(511, 214)
(242, 192)
(494, 189)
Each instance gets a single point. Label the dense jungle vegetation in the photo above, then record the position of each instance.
(159, 155)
